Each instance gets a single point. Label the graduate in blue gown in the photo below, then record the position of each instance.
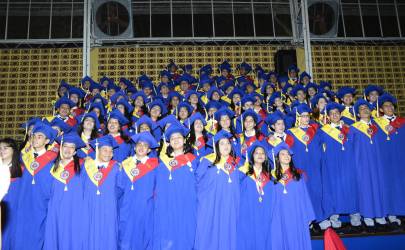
(35, 189)
(100, 206)
(115, 122)
(64, 220)
(136, 181)
(218, 181)
(10, 158)
(339, 187)
(87, 130)
(391, 129)
(292, 207)
(307, 155)
(175, 201)
(346, 96)
(367, 165)
(198, 137)
(256, 208)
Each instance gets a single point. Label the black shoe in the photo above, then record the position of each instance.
(357, 229)
(370, 229)
(394, 226)
(382, 228)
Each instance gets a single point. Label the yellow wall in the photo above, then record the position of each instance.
(29, 77)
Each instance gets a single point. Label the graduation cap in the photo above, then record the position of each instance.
(253, 114)
(316, 98)
(185, 105)
(131, 89)
(247, 84)
(255, 94)
(213, 104)
(212, 90)
(176, 128)
(297, 88)
(114, 97)
(48, 131)
(113, 86)
(145, 137)
(344, 91)
(254, 145)
(85, 79)
(71, 137)
(302, 108)
(204, 79)
(229, 83)
(64, 84)
(193, 118)
(187, 68)
(324, 84)
(145, 120)
(147, 84)
(116, 114)
(272, 73)
(171, 64)
(106, 140)
(126, 104)
(386, 97)
(311, 85)
(248, 98)
(225, 66)
(222, 134)
(191, 79)
(282, 146)
(258, 69)
(77, 91)
(274, 96)
(139, 94)
(220, 79)
(246, 66)
(371, 88)
(286, 87)
(63, 126)
(99, 98)
(92, 115)
(98, 105)
(333, 105)
(224, 111)
(109, 80)
(262, 75)
(205, 70)
(144, 78)
(294, 68)
(305, 74)
(64, 100)
(183, 78)
(95, 85)
(165, 73)
(173, 94)
(167, 121)
(274, 117)
(359, 103)
(162, 106)
(234, 92)
(32, 121)
(190, 93)
(126, 82)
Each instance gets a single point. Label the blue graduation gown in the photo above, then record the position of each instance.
(136, 204)
(33, 204)
(175, 207)
(339, 184)
(65, 208)
(217, 207)
(100, 211)
(122, 151)
(393, 164)
(200, 149)
(255, 216)
(292, 213)
(310, 162)
(367, 169)
(9, 206)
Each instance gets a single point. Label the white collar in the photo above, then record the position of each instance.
(391, 118)
(367, 123)
(143, 159)
(41, 152)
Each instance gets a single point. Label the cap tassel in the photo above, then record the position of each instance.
(98, 191)
(33, 180)
(306, 148)
(170, 175)
(274, 158)
(132, 186)
(284, 190)
(343, 148)
(66, 188)
(229, 179)
(378, 111)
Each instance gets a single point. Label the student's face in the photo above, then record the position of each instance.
(64, 110)
(177, 141)
(388, 109)
(111, 92)
(6, 152)
(278, 102)
(279, 126)
(97, 111)
(184, 85)
(62, 91)
(373, 96)
(198, 126)
(224, 73)
(74, 98)
(113, 126)
(212, 111)
(249, 123)
(259, 155)
(88, 123)
(105, 153)
(121, 108)
(334, 116)
(175, 101)
(225, 122)
(206, 87)
(229, 90)
(236, 99)
(248, 105)
(164, 90)
(348, 99)
(364, 112)
(142, 149)
(139, 101)
(301, 96)
(273, 79)
(224, 147)
(39, 140)
(68, 150)
(311, 91)
(304, 118)
(305, 80)
(147, 91)
(193, 99)
(95, 92)
(215, 96)
(269, 90)
(321, 104)
(164, 79)
(58, 129)
(155, 111)
(183, 113)
(86, 84)
(144, 128)
(249, 89)
(284, 157)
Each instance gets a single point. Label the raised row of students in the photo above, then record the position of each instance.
(218, 162)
